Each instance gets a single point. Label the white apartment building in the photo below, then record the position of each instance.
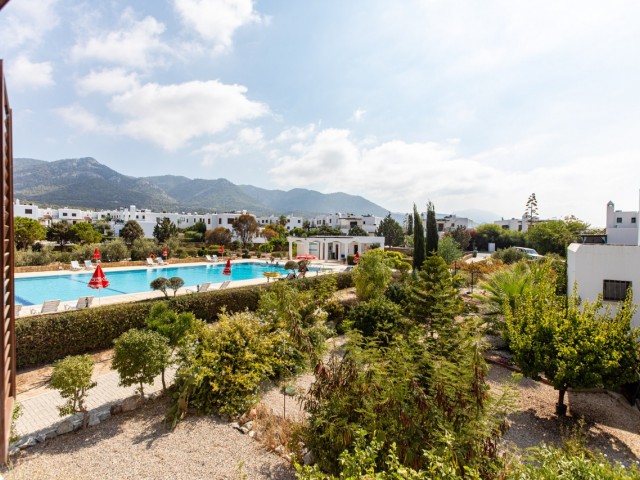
(517, 224)
(345, 221)
(292, 221)
(608, 269)
(448, 222)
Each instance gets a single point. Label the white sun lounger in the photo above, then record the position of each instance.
(150, 262)
(83, 302)
(203, 287)
(88, 265)
(161, 261)
(49, 306)
(75, 265)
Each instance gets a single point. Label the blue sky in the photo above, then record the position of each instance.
(467, 104)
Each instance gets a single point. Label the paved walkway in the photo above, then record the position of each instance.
(40, 413)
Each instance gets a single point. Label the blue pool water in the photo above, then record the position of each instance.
(35, 290)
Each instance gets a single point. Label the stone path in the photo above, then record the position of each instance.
(40, 413)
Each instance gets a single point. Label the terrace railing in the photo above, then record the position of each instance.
(7, 329)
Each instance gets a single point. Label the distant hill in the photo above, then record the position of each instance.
(86, 183)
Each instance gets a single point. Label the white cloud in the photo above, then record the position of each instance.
(23, 74)
(216, 20)
(395, 174)
(27, 22)
(137, 44)
(359, 114)
(247, 139)
(108, 81)
(171, 115)
(80, 118)
(296, 133)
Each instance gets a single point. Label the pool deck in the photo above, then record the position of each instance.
(326, 267)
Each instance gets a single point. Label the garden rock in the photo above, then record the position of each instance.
(309, 458)
(130, 403)
(65, 426)
(94, 419)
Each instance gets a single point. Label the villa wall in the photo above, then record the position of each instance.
(589, 265)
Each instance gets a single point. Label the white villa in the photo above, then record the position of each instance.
(608, 269)
(448, 222)
(333, 248)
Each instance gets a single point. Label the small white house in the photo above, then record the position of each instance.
(333, 248)
(608, 269)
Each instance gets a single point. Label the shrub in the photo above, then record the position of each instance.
(372, 275)
(41, 339)
(509, 255)
(114, 251)
(375, 315)
(139, 356)
(160, 283)
(175, 283)
(72, 378)
(142, 247)
(25, 258)
(221, 366)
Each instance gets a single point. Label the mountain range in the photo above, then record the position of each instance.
(86, 183)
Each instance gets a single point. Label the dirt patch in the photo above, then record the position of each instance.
(35, 381)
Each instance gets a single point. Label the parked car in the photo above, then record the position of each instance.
(531, 253)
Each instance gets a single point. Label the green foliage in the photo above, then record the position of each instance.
(60, 233)
(552, 236)
(218, 236)
(505, 286)
(221, 366)
(131, 232)
(114, 251)
(164, 230)
(27, 231)
(432, 230)
(372, 275)
(431, 403)
(25, 258)
(83, 232)
(449, 250)
(487, 233)
(462, 236)
(509, 255)
(357, 231)
(246, 227)
(15, 415)
(72, 378)
(435, 298)
(42, 339)
(580, 345)
(142, 248)
(376, 315)
(139, 356)
(175, 283)
(170, 324)
(391, 231)
(160, 283)
(418, 240)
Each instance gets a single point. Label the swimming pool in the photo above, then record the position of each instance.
(35, 290)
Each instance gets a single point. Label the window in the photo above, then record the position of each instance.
(64, 214)
(229, 221)
(440, 227)
(519, 228)
(73, 214)
(219, 221)
(28, 211)
(208, 221)
(619, 220)
(505, 227)
(633, 219)
(615, 290)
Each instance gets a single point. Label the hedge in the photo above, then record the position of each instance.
(43, 339)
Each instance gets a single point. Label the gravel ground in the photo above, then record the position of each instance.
(138, 445)
(612, 425)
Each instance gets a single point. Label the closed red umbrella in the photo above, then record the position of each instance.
(98, 280)
(96, 254)
(356, 257)
(227, 268)
(221, 250)
(165, 253)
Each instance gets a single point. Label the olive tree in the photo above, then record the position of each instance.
(246, 227)
(27, 231)
(139, 356)
(72, 378)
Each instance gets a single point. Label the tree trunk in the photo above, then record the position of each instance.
(561, 408)
(164, 385)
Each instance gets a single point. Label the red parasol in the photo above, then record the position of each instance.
(164, 252)
(96, 254)
(221, 250)
(227, 268)
(98, 280)
(356, 257)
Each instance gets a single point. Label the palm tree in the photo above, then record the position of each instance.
(505, 286)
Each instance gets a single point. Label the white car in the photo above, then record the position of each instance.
(531, 253)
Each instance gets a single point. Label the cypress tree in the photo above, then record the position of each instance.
(418, 240)
(432, 230)
(409, 224)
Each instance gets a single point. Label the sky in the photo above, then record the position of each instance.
(470, 105)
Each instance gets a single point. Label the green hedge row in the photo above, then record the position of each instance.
(43, 339)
